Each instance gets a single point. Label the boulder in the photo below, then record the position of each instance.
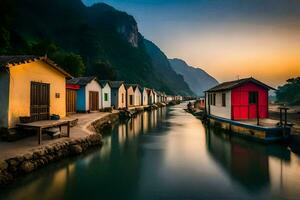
(3, 165)
(27, 166)
(76, 149)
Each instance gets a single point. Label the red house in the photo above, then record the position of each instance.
(238, 100)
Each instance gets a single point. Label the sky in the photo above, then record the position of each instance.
(229, 39)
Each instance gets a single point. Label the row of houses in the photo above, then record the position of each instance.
(86, 94)
(35, 87)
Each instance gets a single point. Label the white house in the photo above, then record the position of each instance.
(105, 94)
(154, 96)
(150, 96)
(137, 95)
(144, 98)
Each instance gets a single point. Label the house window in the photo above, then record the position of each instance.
(105, 96)
(224, 99)
(122, 98)
(253, 97)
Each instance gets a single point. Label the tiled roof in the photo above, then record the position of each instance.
(103, 83)
(232, 84)
(116, 84)
(21, 59)
(81, 80)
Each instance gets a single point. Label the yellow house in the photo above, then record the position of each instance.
(32, 87)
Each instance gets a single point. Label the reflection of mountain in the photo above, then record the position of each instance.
(246, 162)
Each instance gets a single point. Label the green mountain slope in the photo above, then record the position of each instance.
(106, 40)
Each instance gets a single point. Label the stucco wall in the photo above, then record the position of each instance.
(20, 82)
(107, 90)
(122, 92)
(80, 103)
(93, 86)
(218, 109)
(4, 91)
(145, 98)
(129, 93)
(138, 97)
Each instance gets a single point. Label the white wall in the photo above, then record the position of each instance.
(92, 86)
(138, 97)
(145, 97)
(106, 104)
(218, 109)
(122, 92)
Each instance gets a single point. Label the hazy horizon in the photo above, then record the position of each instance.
(236, 38)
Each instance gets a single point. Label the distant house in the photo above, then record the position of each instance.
(130, 95)
(30, 86)
(158, 97)
(137, 95)
(170, 98)
(89, 94)
(238, 100)
(105, 94)
(71, 98)
(154, 96)
(144, 99)
(150, 96)
(118, 94)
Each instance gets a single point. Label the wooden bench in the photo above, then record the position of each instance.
(40, 125)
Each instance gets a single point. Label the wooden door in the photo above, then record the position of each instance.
(71, 98)
(39, 101)
(93, 101)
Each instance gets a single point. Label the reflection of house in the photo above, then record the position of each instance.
(244, 162)
(30, 86)
(89, 94)
(105, 94)
(238, 100)
(118, 94)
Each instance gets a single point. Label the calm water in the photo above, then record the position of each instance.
(167, 154)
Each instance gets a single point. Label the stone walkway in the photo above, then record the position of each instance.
(12, 149)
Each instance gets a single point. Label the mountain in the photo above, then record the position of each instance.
(162, 66)
(197, 79)
(97, 40)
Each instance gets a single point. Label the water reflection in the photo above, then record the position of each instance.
(167, 154)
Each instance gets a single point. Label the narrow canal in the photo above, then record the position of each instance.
(167, 154)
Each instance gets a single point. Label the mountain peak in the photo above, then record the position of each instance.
(197, 79)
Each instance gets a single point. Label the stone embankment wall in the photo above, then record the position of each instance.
(14, 167)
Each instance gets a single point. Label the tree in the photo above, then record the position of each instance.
(103, 70)
(69, 61)
(290, 92)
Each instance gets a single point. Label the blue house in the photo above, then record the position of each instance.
(89, 95)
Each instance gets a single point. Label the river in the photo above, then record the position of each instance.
(167, 154)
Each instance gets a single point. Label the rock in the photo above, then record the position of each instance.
(28, 156)
(13, 162)
(27, 166)
(3, 165)
(76, 149)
